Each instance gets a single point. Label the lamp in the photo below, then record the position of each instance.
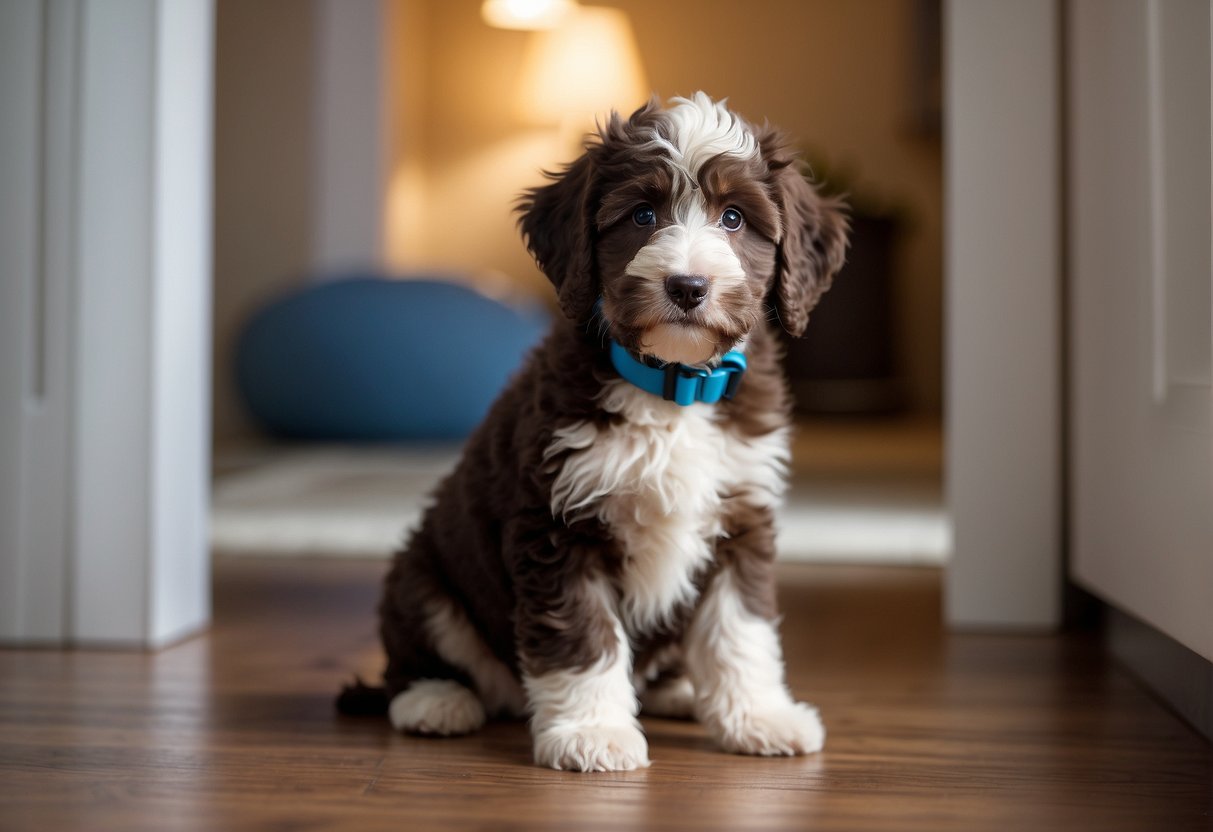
(586, 66)
(526, 14)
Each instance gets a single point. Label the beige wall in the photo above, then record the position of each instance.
(834, 73)
(263, 173)
(462, 157)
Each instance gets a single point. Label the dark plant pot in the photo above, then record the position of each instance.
(844, 363)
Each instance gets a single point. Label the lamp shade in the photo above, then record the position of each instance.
(586, 66)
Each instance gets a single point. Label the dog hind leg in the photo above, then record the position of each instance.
(662, 684)
(437, 707)
(427, 694)
(670, 697)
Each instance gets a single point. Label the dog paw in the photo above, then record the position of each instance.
(773, 731)
(674, 699)
(437, 707)
(592, 748)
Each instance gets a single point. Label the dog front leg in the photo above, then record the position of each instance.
(736, 664)
(577, 671)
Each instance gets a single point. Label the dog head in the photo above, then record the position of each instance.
(690, 225)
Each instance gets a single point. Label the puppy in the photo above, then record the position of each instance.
(606, 543)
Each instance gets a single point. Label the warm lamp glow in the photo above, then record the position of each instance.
(586, 67)
(526, 14)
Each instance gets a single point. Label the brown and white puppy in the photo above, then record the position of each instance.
(600, 550)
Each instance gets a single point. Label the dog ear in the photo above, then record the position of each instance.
(557, 225)
(813, 243)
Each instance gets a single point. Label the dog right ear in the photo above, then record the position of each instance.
(557, 225)
(814, 242)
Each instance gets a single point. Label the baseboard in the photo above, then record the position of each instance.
(1180, 677)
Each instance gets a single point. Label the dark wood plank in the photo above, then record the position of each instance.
(927, 730)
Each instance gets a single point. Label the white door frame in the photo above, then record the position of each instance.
(1004, 298)
(105, 310)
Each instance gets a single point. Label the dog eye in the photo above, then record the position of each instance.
(731, 219)
(644, 215)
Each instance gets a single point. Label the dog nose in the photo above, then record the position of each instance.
(687, 290)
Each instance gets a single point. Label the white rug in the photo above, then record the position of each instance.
(359, 501)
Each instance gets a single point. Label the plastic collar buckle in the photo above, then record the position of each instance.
(680, 383)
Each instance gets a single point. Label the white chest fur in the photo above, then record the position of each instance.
(657, 479)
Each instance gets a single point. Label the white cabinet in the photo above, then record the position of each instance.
(1140, 306)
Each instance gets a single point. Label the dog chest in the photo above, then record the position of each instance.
(656, 478)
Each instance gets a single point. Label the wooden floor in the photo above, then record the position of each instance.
(927, 731)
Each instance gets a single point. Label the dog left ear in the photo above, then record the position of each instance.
(813, 245)
(556, 225)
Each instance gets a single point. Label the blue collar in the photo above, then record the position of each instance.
(681, 383)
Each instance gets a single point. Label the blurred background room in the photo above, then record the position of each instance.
(389, 140)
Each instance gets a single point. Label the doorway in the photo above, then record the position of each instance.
(867, 471)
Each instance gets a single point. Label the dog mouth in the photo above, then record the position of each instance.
(683, 342)
(661, 330)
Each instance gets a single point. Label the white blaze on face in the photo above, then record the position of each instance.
(704, 129)
(695, 244)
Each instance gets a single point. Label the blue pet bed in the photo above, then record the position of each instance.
(369, 359)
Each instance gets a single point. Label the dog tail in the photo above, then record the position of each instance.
(360, 699)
